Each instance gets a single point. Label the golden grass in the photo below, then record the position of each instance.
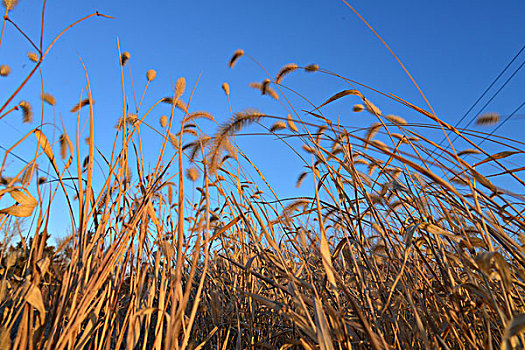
(386, 250)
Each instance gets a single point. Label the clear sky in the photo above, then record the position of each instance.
(454, 50)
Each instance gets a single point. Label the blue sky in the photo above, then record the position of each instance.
(454, 49)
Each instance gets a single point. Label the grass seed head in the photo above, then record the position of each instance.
(396, 119)
(289, 68)
(81, 104)
(151, 74)
(226, 88)
(63, 146)
(180, 86)
(163, 121)
(300, 179)
(311, 68)
(488, 119)
(27, 111)
(5, 70)
(192, 174)
(291, 123)
(278, 126)
(32, 56)
(173, 140)
(370, 107)
(124, 58)
(48, 98)
(236, 55)
(10, 4)
(359, 108)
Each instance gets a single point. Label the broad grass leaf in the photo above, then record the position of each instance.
(327, 259)
(34, 297)
(43, 265)
(26, 201)
(499, 155)
(23, 198)
(21, 211)
(409, 234)
(323, 331)
(483, 180)
(44, 143)
(152, 215)
(435, 229)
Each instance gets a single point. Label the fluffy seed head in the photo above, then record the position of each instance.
(81, 104)
(27, 111)
(469, 151)
(63, 146)
(396, 119)
(278, 126)
(289, 68)
(359, 108)
(125, 57)
(291, 123)
(265, 88)
(488, 119)
(236, 55)
(311, 68)
(32, 56)
(174, 142)
(300, 179)
(370, 107)
(48, 98)
(226, 88)
(372, 131)
(151, 74)
(180, 86)
(5, 70)
(131, 119)
(192, 174)
(163, 121)
(181, 105)
(10, 4)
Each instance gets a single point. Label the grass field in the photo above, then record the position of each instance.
(402, 242)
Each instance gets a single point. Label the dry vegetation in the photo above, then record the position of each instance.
(403, 244)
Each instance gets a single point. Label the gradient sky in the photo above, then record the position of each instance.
(454, 50)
